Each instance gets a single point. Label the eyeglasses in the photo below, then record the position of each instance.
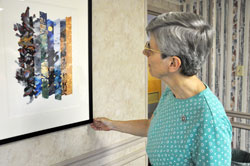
(149, 51)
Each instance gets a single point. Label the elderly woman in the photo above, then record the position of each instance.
(189, 125)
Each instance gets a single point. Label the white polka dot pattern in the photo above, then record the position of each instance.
(194, 131)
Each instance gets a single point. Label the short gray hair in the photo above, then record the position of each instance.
(185, 35)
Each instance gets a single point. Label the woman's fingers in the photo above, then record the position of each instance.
(101, 123)
(98, 124)
(93, 126)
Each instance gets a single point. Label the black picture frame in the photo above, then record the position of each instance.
(80, 123)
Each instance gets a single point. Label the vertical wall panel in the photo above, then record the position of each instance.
(235, 61)
(191, 8)
(247, 34)
(212, 60)
(228, 71)
(239, 77)
(218, 56)
(226, 7)
(204, 67)
(220, 81)
(199, 12)
(229, 56)
(195, 6)
(198, 7)
(184, 7)
(245, 14)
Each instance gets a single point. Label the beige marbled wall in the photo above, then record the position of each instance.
(119, 87)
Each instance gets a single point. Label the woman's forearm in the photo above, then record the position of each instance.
(134, 127)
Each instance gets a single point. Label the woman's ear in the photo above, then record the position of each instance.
(175, 64)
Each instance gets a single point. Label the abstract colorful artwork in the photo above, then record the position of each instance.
(45, 67)
(45, 56)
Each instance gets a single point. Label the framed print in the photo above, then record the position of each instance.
(45, 67)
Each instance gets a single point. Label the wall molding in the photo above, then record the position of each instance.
(127, 158)
(93, 156)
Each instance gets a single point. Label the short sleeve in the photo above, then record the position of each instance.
(213, 143)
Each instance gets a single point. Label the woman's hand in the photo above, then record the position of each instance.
(104, 124)
(134, 127)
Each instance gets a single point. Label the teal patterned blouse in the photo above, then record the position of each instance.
(186, 132)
